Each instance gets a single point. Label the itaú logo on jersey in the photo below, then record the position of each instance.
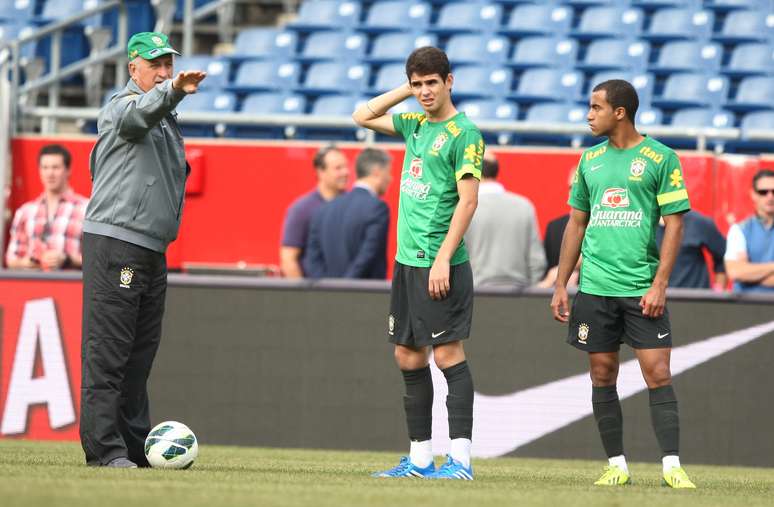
(615, 198)
(414, 189)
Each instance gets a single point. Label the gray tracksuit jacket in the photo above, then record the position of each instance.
(138, 168)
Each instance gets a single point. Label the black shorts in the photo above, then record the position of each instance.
(602, 323)
(417, 320)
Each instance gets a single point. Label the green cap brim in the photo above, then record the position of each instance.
(156, 52)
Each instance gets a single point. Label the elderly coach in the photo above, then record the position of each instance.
(138, 172)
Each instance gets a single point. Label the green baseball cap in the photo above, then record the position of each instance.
(149, 45)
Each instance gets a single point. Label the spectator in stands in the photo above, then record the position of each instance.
(552, 243)
(750, 247)
(348, 236)
(691, 270)
(332, 170)
(502, 239)
(46, 232)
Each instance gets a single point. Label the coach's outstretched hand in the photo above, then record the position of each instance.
(188, 80)
(560, 305)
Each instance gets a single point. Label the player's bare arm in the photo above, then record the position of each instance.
(373, 113)
(569, 253)
(653, 302)
(438, 284)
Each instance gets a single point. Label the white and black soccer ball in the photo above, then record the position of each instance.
(171, 445)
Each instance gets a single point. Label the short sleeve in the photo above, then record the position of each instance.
(406, 122)
(468, 154)
(736, 244)
(672, 196)
(579, 192)
(295, 229)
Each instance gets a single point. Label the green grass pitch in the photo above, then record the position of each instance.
(50, 474)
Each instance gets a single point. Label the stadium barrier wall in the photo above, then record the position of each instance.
(239, 190)
(300, 364)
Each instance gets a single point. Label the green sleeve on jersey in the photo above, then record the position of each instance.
(672, 195)
(579, 193)
(406, 122)
(467, 154)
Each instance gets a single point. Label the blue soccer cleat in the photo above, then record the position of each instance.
(453, 469)
(407, 469)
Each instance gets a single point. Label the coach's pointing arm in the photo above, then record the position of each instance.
(373, 113)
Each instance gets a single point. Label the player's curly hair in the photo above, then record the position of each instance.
(428, 60)
(621, 93)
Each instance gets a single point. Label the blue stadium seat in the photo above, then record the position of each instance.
(477, 49)
(548, 85)
(757, 120)
(264, 43)
(646, 117)
(599, 22)
(729, 5)
(462, 17)
(217, 69)
(688, 56)
(702, 117)
(268, 103)
(401, 15)
(538, 19)
(265, 76)
(544, 52)
(333, 77)
(489, 110)
(180, 8)
(54, 10)
(330, 45)
(336, 105)
(389, 76)
(751, 59)
(657, 4)
(205, 102)
(393, 47)
(9, 31)
(644, 84)
(622, 54)
(692, 90)
(18, 12)
(558, 112)
(747, 26)
(473, 81)
(675, 24)
(756, 92)
(326, 15)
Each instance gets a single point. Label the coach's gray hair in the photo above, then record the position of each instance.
(370, 158)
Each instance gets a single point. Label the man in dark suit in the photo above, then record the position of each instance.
(348, 236)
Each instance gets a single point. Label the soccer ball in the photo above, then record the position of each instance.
(171, 445)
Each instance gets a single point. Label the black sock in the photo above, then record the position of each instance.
(418, 403)
(459, 401)
(666, 419)
(607, 412)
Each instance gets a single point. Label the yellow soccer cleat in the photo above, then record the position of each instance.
(614, 476)
(677, 478)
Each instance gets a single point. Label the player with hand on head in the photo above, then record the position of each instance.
(432, 288)
(620, 190)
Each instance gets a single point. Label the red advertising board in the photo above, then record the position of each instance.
(40, 360)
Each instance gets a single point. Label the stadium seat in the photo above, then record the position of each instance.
(217, 69)
(18, 12)
(264, 43)
(729, 5)
(336, 105)
(622, 54)
(54, 10)
(559, 112)
(489, 110)
(599, 22)
(180, 8)
(676, 24)
(756, 92)
(646, 117)
(692, 90)
(463, 17)
(751, 59)
(205, 102)
(477, 49)
(544, 52)
(402, 16)
(393, 47)
(757, 120)
(333, 77)
(747, 26)
(538, 19)
(473, 81)
(548, 85)
(702, 117)
(265, 76)
(326, 15)
(329, 45)
(644, 84)
(657, 4)
(688, 56)
(389, 76)
(267, 103)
